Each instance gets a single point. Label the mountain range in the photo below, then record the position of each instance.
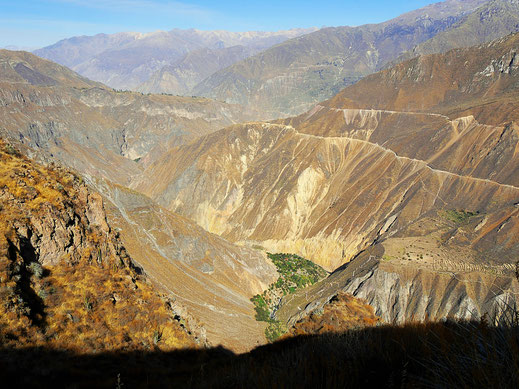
(396, 171)
(281, 73)
(127, 60)
(410, 165)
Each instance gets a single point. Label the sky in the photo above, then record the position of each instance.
(29, 24)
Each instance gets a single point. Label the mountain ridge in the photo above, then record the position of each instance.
(126, 60)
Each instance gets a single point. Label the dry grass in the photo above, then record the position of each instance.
(343, 312)
(92, 299)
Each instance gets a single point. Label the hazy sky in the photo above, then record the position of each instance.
(37, 23)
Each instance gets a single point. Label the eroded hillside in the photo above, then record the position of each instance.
(91, 127)
(390, 167)
(66, 280)
(97, 131)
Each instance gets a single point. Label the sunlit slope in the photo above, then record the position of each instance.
(209, 278)
(91, 127)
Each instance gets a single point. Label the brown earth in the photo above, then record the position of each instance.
(66, 281)
(390, 159)
(57, 115)
(341, 313)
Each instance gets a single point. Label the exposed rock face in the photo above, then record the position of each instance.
(211, 278)
(66, 280)
(400, 293)
(289, 78)
(375, 171)
(480, 81)
(126, 60)
(325, 198)
(91, 128)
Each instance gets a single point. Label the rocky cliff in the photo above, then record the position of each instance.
(66, 279)
(389, 169)
(84, 125)
(91, 127)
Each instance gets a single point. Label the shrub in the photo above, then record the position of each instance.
(36, 269)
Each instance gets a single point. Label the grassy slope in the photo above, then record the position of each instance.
(88, 301)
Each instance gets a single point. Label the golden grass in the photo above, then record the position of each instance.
(93, 303)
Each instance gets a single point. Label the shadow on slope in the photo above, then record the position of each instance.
(442, 354)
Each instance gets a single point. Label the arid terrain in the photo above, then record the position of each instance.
(340, 207)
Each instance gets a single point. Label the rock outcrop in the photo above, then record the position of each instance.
(90, 127)
(66, 281)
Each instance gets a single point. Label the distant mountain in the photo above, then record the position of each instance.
(492, 20)
(183, 76)
(126, 60)
(288, 78)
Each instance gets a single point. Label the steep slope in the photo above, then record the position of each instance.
(480, 81)
(89, 126)
(492, 20)
(209, 278)
(439, 266)
(66, 281)
(126, 60)
(181, 77)
(289, 78)
(325, 198)
(424, 203)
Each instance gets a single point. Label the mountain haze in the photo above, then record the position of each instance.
(126, 60)
(288, 78)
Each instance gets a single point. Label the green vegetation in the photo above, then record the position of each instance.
(274, 330)
(459, 216)
(295, 273)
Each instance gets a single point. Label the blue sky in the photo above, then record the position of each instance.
(37, 23)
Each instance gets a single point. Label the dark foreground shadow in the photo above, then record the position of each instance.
(449, 354)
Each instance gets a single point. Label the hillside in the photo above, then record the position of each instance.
(289, 78)
(126, 60)
(91, 127)
(66, 280)
(210, 279)
(96, 131)
(493, 20)
(480, 81)
(424, 204)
